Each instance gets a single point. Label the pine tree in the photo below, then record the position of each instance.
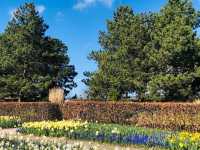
(175, 53)
(121, 63)
(32, 62)
(151, 55)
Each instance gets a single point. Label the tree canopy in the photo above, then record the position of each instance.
(153, 56)
(32, 62)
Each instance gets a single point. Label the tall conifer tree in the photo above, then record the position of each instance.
(30, 61)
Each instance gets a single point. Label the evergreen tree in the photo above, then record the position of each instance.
(121, 63)
(175, 53)
(31, 62)
(152, 55)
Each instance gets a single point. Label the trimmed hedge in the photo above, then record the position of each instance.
(173, 116)
(170, 116)
(31, 111)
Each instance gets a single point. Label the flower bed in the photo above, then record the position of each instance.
(184, 141)
(9, 121)
(19, 143)
(111, 133)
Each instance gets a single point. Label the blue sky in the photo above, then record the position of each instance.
(77, 23)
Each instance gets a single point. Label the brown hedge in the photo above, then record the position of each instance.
(31, 111)
(175, 116)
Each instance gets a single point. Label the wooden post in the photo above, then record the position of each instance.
(56, 95)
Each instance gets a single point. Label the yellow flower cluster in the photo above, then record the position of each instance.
(8, 118)
(185, 139)
(193, 137)
(61, 125)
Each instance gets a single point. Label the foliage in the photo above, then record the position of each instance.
(32, 62)
(10, 121)
(153, 56)
(120, 63)
(175, 52)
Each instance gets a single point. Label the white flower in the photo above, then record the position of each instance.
(97, 132)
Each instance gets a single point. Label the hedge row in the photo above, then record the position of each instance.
(31, 111)
(175, 116)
